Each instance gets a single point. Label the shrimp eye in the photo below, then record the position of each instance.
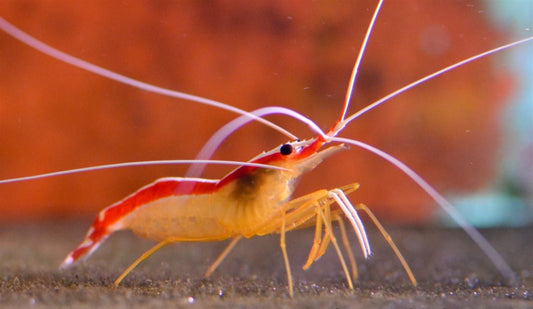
(286, 149)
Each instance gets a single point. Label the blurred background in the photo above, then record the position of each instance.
(468, 132)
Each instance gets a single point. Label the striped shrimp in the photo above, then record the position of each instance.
(319, 208)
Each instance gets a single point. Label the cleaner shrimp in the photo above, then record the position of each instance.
(319, 208)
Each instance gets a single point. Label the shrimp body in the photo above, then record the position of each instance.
(185, 209)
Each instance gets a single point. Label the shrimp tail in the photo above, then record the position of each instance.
(97, 234)
(111, 219)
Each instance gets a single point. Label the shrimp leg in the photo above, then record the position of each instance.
(222, 256)
(143, 257)
(320, 246)
(389, 240)
(330, 236)
(347, 247)
(285, 256)
(317, 246)
(325, 216)
(298, 214)
(165, 242)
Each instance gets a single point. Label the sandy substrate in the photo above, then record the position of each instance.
(451, 270)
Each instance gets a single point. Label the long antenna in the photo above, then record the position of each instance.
(496, 259)
(357, 64)
(431, 76)
(27, 39)
(136, 163)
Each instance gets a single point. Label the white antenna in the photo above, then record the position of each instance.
(87, 66)
(357, 64)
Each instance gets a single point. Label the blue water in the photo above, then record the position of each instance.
(508, 201)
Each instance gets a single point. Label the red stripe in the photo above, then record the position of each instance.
(150, 193)
(147, 194)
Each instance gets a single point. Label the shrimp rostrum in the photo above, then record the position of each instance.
(255, 199)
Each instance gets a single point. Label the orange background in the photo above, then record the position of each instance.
(286, 53)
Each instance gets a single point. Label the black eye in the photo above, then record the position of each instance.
(286, 149)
